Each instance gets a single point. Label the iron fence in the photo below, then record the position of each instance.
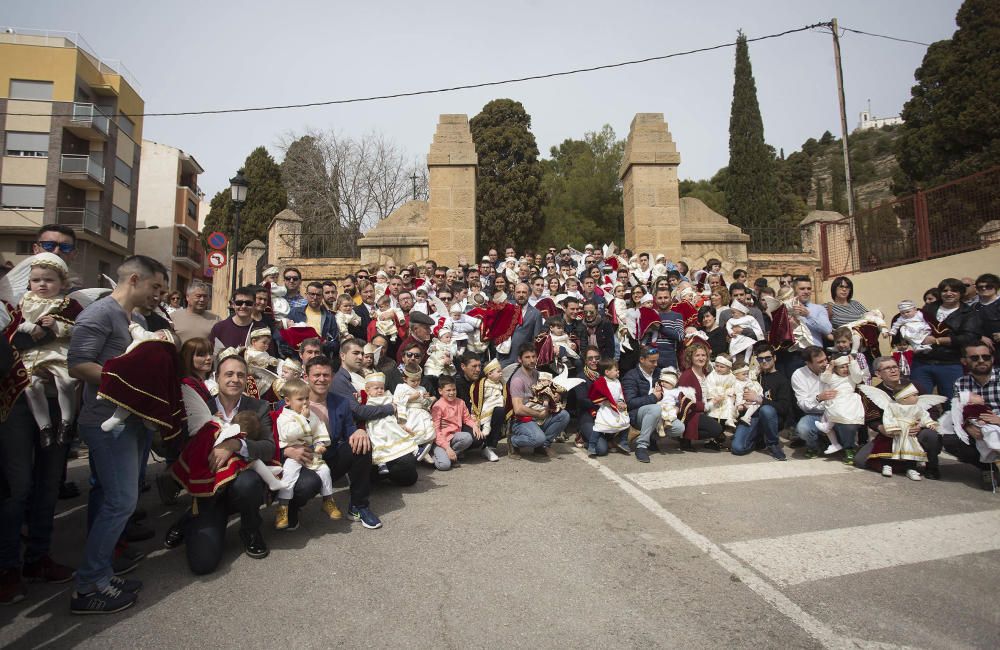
(322, 245)
(944, 220)
(774, 239)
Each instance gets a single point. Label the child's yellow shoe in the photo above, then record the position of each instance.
(281, 518)
(331, 509)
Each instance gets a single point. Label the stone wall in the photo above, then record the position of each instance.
(706, 234)
(451, 215)
(401, 237)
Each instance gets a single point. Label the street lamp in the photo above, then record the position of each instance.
(238, 191)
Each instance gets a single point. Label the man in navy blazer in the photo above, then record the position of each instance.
(531, 325)
(642, 392)
(349, 451)
(328, 323)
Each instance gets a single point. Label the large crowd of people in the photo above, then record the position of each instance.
(370, 375)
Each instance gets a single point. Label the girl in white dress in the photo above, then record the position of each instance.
(719, 390)
(842, 375)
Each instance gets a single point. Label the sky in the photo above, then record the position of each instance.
(213, 54)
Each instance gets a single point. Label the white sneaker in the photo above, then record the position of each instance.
(823, 426)
(887, 471)
(490, 455)
(832, 449)
(914, 475)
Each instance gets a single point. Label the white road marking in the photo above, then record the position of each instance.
(70, 511)
(791, 559)
(736, 474)
(817, 629)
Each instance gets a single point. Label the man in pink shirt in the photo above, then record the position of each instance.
(455, 427)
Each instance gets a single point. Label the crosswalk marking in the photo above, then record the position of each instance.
(736, 474)
(805, 557)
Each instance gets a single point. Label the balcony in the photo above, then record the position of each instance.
(189, 256)
(81, 171)
(80, 219)
(88, 122)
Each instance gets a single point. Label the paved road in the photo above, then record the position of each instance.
(694, 550)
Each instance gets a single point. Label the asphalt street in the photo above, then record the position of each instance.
(695, 550)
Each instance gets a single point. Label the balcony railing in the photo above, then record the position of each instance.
(82, 164)
(90, 115)
(80, 218)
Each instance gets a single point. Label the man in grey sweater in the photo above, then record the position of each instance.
(101, 333)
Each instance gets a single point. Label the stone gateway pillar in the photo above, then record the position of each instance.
(451, 217)
(649, 188)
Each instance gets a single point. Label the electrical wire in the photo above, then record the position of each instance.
(485, 84)
(891, 38)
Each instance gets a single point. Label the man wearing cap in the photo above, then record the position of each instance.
(418, 332)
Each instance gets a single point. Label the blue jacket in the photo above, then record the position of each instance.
(636, 391)
(328, 332)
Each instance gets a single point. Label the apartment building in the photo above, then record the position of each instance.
(168, 216)
(70, 139)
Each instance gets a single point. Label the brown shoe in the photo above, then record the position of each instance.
(514, 453)
(548, 451)
(46, 570)
(331, 510)
(11, 586)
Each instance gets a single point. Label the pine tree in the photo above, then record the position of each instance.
(509, 185)
(751, 189)
(266, 197)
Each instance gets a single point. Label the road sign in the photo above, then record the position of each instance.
(216, 259)
(217, 240)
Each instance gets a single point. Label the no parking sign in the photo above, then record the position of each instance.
(216, 259)
(218, 241)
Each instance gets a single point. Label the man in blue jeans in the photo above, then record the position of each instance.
(526, 433)
(100, 333)
(773, 407)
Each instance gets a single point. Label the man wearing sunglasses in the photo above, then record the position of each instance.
(983, 379)
(293, 283)
(56, 239)
(774, 406)
(233, 331)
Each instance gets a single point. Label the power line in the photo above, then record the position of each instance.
(891, 38)
(485, 84)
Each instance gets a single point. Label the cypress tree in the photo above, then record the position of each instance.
(751, 188)
(266, 197)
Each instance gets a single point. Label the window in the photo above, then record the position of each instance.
(119, 219)
(126, 125)
(27, 144)
(24, 89)
(192, 210)
(123, 172)
(182, 247)
(23, 197)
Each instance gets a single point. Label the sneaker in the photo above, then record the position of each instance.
(174, 536)
(932, 473)
(848, 456)
(46, 570)
(131, 586)
(281, 517)
(713, 445)
(833, 448)
(490, 455)
(103, 601)
(331, 510)
(642, 455)
(383, 469)
(68, 490)
(423, 450)
(622, 446)
(887, 471)
(777, 453)
(365, 516)
(914, 475)
(11, 586)
(823, 426)
(167, 488)
(812, 453)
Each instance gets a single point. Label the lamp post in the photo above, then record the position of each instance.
(238, 191)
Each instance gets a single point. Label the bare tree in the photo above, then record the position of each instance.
(344, 183)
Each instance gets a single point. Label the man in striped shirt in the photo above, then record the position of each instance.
(668, 336)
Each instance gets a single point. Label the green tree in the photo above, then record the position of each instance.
(509, 185)
(708, 192)
(951, 127)
(751, 189)
(583, 195)
(266, 197)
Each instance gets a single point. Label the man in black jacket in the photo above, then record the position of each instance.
(365, 310)
(594, 330)
(774, 406)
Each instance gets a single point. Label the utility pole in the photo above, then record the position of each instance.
(414, 179)
(843, 118)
